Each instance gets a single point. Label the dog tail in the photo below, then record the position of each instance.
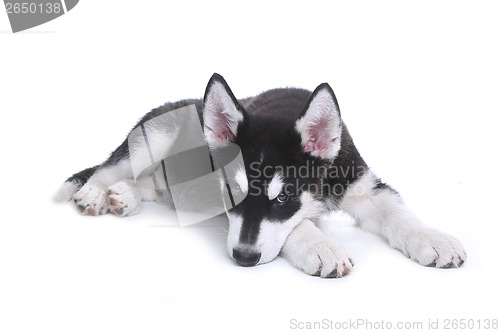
(73, 184)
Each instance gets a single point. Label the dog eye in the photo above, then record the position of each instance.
(282, 198)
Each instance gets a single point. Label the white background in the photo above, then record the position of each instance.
(418, 85)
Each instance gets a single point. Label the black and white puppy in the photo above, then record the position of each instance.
(300, 163)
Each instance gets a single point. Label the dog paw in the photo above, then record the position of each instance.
(124, 199)
(434, 248)
(321, 256)
(91, 200)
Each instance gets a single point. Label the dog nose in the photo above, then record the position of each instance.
(246, 258)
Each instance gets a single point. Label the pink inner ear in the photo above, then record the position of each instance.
(222, 133)
(317, 144)
(224, 136)
(310, 145)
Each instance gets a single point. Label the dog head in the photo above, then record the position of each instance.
(288, 138)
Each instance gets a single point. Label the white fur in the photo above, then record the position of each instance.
(160, 142)
(107, 176)
(66, 192)
(321, 127)
(275, 186)
(384, 213)
(241, 179)
(233, 234)
(92, 200)
(272, 236)
(314, 253)
(124, 198)
(147, 189)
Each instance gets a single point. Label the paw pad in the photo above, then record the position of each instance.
(123, 198)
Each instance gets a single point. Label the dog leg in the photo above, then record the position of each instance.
(92, 198)
(379, 209)
(314, 253)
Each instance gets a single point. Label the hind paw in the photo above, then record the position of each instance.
(91, 200)
(124, 199)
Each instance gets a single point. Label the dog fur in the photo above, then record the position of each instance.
(279, 132)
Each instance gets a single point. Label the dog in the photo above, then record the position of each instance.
(300, 163)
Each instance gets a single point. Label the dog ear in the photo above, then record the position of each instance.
(221, 113)
(320, 125)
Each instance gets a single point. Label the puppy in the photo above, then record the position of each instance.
(299, 162)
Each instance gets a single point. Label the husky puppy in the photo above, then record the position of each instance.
(300, 163)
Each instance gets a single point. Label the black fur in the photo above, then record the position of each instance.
(380, 186)
(80, 178)
(268, 128)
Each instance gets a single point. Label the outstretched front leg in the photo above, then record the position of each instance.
(378, 208)
(310, 250)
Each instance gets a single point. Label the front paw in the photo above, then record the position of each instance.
(434, 248)
(319, 256)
